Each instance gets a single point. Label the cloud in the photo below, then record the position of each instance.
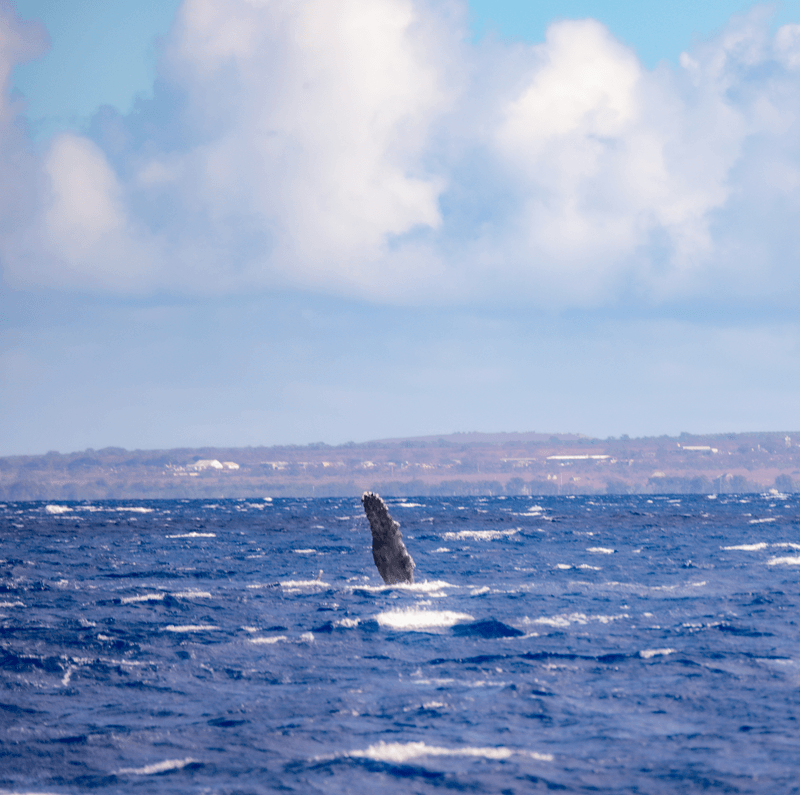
(368, 149)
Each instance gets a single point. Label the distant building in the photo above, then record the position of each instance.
(577, 457)
(205, 463)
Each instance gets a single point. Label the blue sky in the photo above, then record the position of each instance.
(231, 223)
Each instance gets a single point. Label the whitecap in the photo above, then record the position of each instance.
(402, 752)
(421, 619)
(566, 619)
(762, 521)
(304, 551)
(189, 628)
(784, 561)
(269, 641)
(480, 535)
(297, 585)
(158, 767)
(194, 535)
(428, 586)
(410, 505)
(601, 550)
(147, 597)
(12, 604)
(137, 509)
(749, 547)
(648, 653)
(56, 509)
(192, 595)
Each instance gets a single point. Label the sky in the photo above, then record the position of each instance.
(259, 222)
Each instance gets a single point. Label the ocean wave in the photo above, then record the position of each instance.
(646, 654)
(402, 752)
(190, 628)
(427, 586)
(479, 535)
(412, 619)
(157, 767)
(566, 619)
(748, 547)
(787, 560)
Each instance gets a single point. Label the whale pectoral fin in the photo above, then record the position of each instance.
(389, 552)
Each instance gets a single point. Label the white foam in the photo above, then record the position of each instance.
(135, 509)
(299, 585)
(12, 604)
(194, 535)
(428, 586)
(762, 521)
(566, 619)
(787, 544)
(68, 675)
(192, 594)
(420, 619)
(442, 549)
(601, 550)
(269, 641)
(410, 504)
(189, 628)
(784, 561)
(480, 535)
(648, 653)
(57, 509)
(148, 597)
(158, 767)
(749, 547)
(402, 752)
(304, 551)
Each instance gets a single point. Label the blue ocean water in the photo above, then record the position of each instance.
(604, 645)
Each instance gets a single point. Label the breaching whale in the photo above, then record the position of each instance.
(388, 550)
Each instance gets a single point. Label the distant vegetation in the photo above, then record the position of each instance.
(455, 464)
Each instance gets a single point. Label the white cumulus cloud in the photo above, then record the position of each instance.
(367, 148)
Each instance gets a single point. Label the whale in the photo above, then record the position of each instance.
(389, 552)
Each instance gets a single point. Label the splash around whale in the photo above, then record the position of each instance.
(389, 552)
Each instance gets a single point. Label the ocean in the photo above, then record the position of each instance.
(580, 644)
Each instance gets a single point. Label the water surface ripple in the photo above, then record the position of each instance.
(587, 644)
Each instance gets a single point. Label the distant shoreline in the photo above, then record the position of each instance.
(448, 464)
